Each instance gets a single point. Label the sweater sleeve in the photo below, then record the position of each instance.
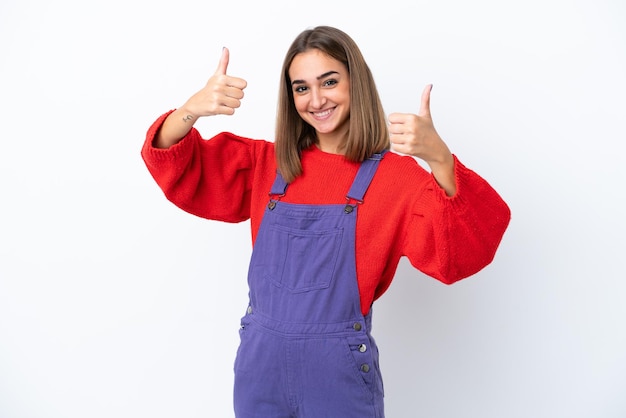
(451, 238)
(207, 178)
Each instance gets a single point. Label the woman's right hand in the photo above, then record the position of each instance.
(221, 95)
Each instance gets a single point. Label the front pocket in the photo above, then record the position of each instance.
(364, 364)
(299, 260)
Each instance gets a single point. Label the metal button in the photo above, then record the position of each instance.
(249, 310)
(348, 209)
(365, 368)
(362, 348)
(357, 326)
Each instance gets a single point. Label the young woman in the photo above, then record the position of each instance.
(331, 212)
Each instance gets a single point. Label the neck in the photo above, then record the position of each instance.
(332, 144)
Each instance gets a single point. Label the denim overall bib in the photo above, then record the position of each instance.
(306, 349)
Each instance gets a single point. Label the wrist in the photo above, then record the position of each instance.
(444, 161)
(186, 115)
(443, 172)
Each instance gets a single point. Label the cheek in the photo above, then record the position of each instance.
(300, 103)
(344, 95)
(339, 96)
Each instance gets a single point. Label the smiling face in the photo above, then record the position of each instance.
(321, 94)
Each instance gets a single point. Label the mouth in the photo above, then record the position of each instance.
(323, 114)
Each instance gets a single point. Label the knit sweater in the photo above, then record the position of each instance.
(404, 212)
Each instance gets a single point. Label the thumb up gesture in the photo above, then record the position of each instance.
(221, 95)
(415, 134)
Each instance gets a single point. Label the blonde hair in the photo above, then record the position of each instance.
(368, 133)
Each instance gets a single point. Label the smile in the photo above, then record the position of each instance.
(322, 115)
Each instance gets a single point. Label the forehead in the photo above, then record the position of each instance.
(311, 64)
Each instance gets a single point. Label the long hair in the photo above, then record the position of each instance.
(368, 133)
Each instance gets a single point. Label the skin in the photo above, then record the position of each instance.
(416, 135)
(321, 91)
(221, 95)
(321, 96)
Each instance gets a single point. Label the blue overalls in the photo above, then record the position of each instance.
(306, 349)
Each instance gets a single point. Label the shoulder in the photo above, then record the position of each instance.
(402, 166)
(237, 143)
(401, 179)
(243, 140)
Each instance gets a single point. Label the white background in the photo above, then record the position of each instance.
(114, 303)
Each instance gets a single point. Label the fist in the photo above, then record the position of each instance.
(415, 134)
(221, 95)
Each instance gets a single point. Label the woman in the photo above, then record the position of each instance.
(331, 211)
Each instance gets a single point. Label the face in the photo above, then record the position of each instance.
(321, 92)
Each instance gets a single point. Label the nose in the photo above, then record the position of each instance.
(317, 99)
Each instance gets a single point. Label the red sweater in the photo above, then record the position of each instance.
(405, 212)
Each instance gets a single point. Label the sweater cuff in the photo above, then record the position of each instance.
(166, 155)
(463, 177)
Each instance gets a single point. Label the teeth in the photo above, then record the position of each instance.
(322, 114)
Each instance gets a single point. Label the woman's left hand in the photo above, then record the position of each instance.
(416, 135)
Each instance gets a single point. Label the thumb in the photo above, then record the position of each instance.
(425, 103)
(221, 67)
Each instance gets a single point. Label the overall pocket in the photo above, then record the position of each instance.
(299, 260)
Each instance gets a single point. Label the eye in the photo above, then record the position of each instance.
(330, 82)
(300, 89)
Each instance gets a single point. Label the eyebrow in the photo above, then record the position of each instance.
(326, 74)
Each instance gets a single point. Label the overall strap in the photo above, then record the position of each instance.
(364, 177)
(357, 190)
(280, 185)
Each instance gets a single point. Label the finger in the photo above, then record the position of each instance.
(223, 65)
(238, 84)
(398, 118)
(399, 147)
(396, 129)
(396, 139)
(425, 103)
(232, 102)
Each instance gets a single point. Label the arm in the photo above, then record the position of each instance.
(210, 178)
(451, 238)
(456, 227)
(201, 176)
